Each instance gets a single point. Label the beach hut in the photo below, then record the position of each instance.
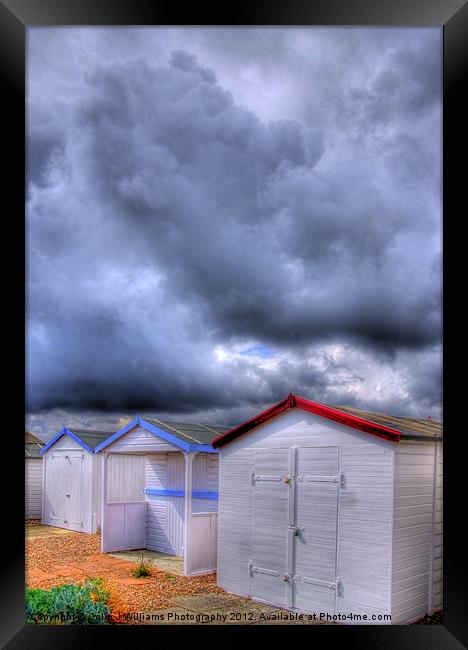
(167, 498)
(332, 511)
(33, 477)
(72, 480)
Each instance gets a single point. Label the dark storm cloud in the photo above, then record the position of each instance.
(170, 228)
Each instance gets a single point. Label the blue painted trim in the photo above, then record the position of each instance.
(164, 493)
(66, 432)
(116, 435)
(180, 493)
(206, 448)
(164, 435)
(213, 496)
(173, 440)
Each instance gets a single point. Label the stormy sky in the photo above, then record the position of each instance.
(217, 217)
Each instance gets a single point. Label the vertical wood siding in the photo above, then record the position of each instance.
(125, 477)
(438, 541)
(165, 514)
(78, 481)
(205, 479)
(413, 530)
(33, 488)
(96, 513)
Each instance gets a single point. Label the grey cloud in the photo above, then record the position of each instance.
(165, 219)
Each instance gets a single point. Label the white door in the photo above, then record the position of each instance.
(124, 526)
(294, 528)
(63, 485)
(316, 484)
(269, 562)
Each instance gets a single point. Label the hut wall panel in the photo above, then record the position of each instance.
(140, 440)
(33, 488)
(364, 512)
(438, 520)
(165, 514)
(413, 530)
(126, 477)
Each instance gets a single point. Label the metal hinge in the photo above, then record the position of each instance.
(257, 569)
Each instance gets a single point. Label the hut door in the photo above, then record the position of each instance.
(271, 497)
(315, 529)
(74, 469)
(63, 490)
(294, 527)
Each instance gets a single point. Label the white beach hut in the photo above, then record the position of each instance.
(166, 499)
(33, 477)
(72, 480)
(332, 510)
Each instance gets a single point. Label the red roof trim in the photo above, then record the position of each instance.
(292, 401)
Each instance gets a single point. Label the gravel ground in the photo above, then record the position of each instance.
(73, 558)
(433, 619)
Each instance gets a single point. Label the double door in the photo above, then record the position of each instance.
(294, 527)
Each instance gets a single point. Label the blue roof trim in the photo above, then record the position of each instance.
(66, 432)
(206, 448)
(117, 434)
(165, 436)
(173, 440)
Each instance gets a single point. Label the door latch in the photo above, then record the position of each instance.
(296, 529)
(287, 577)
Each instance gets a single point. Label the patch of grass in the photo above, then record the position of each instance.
(143, 569)
(71, 604)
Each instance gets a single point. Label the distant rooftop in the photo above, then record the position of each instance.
(32, 446)
(90, 437)
(192, 433)
(409, 428)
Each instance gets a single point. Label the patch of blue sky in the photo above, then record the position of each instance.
(258, 351)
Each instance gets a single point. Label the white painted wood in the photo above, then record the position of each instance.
(316, 516)
(139, 440)
(140, 460)
(66, 505)
(165, 514)
(126, 477)
(65, 442)
(205, 479)
(203, 543)
(33, 488)
(437, 585)
(71, 470)
(363, 555)
(104, 525)
(270, 520)
(126, 526)
(189, 457)
(413, 530)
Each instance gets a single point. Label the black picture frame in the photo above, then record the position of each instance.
(451, 16)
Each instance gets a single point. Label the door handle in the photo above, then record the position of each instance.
(68, 495)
